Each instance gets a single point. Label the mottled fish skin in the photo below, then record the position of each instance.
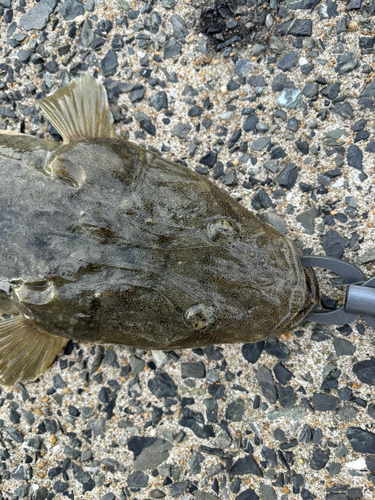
(104, 241)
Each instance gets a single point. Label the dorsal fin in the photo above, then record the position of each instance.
(80, 110)
(25, 351)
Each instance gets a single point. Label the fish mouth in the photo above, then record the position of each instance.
(312, 296)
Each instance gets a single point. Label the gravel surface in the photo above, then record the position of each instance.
(275, 103)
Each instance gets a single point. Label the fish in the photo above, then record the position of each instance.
(105, 241)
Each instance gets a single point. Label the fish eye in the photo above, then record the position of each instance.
(199, 316)
(222, 230)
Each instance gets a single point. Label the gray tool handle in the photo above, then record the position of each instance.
(360, 298)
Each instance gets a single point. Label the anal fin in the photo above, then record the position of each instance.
(25, 351)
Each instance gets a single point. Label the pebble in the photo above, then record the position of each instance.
(193, 369)
(245, 465)
(361, 441)
(334, 244)
(162, 385)
(324, 402)
(319, 459)
(148, 452)
(365, 371)
(38, 16)
(71, 9)
(355, 157)
(267, 385)
(109, 65)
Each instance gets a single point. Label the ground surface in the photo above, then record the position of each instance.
(297, 421)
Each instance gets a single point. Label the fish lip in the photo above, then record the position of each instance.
(312, 296)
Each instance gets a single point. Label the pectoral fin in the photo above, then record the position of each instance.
(25, 351)
(80, 110)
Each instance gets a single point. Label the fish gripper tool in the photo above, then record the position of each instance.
(360, 294)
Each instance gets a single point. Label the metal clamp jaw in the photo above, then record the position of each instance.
(360, 298)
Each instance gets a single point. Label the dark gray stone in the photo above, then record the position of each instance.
(234, 411)
(276, 348)
(319, 459)
(137, 479)
(281, 82)
(250, 123)
(365, 371)
(14, 434)
(303, 147)
(149, 452)
(194, 462)
(37, 17)
(355, 157)
(211, 409)
(267, 492)
(87, 33)
(305, 436)
(276, 220)
(288, 176)
(293, 124)
(70, 9)
(260, 143)
(110, 358)
(343, 347)
(257, 81)
(310, 89)
(24, 56)
(181, 130)
(234, 138)
(209, 159)
(248, 494)
(179, 27)
(196, 424)
(369, 90)
(109, 63)
(162, 385)
(270, 455)
(361, 440)
(252, 352)
(245, 465)
(282, 374)
(306, 219)
(40, 494)
(328, 10)
(331, 91)
(193, 369)
(179, 487)
(7, 112)
(325, 402)
(301, 27)
(288, 62)
(261, 200)
(346, 63)
(265, 380)
(60, 486)
(344, 110)
(334, 244)
(159, 101)
(22, 491)
(171, 48)
(242, 67)
(287, 396)
(108, 496)
(135, 95)
(345, 413)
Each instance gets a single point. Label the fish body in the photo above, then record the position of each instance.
(104, 241)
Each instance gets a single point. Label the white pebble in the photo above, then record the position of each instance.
(160, 358)
(358, 464)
